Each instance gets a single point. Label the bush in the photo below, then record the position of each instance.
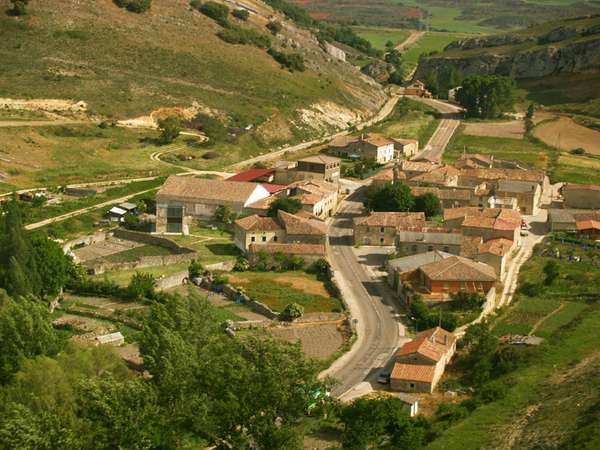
(466, 300)
(136, 6)
(292, 311)
(530, 289)
(169, 130)
(103, 288)
(289, 205)
(274, 27)
(493, 391)
(215, 11)
(195, 269)
(220, 280)
(577, 151)
(241, 264)
(241, 14)
(292, 61)
(19, 8)
(236, 35)
(141, 286)
(551, 270)
(210, 155)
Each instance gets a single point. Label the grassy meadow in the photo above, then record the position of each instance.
(432, 41)
(378, 37)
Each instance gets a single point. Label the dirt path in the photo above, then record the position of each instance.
(566, 134)
(543, 319)
(411, 40)
(41, 123)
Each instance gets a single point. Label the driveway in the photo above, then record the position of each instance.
(372, 307)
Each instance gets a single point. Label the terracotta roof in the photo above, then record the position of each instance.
(321, 159)
(388, 175)
(588, 225)
(315, 186)
(273, 188)
(433, 344)
(263, 204)
(308, 199)
(505, 174)
(418, 166)
(258, 223)
(499, 247)
(378, 141)
(343, 141)
(405, 141)
(443, 193)
(251, 175)
(391, 219)
(469, 246)
(458, 268)
(186, 187)
(300, 225)
(492, 218)
(413, 372)
(437, 175)
(289, 249)
(413, 262)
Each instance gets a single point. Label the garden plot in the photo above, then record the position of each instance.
(319, 341)
(514, 129)
(103, 249)
(565, 134)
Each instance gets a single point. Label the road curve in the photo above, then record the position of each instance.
(371, 305)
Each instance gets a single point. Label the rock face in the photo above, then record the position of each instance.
(552, 53)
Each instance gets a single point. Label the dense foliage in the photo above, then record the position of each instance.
(287, 204)
(390, 197)
(169, 130)
(136, 6)
(486, 97)
(241, 14)
(291, 61)
(429, 204)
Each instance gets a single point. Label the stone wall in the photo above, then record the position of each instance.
(100, 267)
(256, 306)
(150, 239)
(176, 279)
(85, 241)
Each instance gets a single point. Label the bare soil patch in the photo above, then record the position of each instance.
(565, 134)
(303, 284)
(317, 341)
(514, 129)
(105, 248)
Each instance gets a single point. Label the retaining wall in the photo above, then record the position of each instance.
(150, 239)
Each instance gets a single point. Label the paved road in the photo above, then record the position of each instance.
(445, 130)
(371, 303)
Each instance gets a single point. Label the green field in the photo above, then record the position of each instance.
(378, 37)
(278, 289)
(447, 18)
(560, 372)
(430, 42)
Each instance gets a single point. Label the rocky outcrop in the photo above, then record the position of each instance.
(533, 62)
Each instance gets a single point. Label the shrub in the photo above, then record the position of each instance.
(210, 155)
(289, 205)
(102, 288)
(530, 289)
(19, 8)
(274, 27)
(169, 130)
(141, 286)
(215, 11)
(292, 61)
(241, 14)
(492, 391)
(236, 35)
(292, 311)
(195, 269)
(551, 270)
(577, 151)
(241, 264)
(220, 280)
(466, 300)
(136, 6)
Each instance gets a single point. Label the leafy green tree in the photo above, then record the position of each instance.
(464, 300)
(287, 204)
(389, 45)
(224, 214)
(292, 311)
(169, 130)
(551, 272)
(291, 61)
(54, 267)
(241, 14)
(274, 27)
(380, 423)
(530, 111)
(25, 332)
(390, 197)
(141, 286)
(195, 269)
(429, 204)
(136, 6)
(216, 11)
(486, 97)
(482, 346)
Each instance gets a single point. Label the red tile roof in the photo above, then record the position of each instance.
(272, 188)
(413, 372)
(587, 225)
(499, 247)
(391, 219)
(258, 223)
(433, 344)
(251, 175)
(457, 268)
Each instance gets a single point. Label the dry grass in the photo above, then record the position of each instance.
(515, 129)
(565, 134)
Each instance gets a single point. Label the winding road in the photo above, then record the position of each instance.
(372, 307)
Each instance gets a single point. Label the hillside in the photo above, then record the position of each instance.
(560, 47)
(125, 65)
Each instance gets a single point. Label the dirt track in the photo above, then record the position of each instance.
(568, 135)
(411, 40)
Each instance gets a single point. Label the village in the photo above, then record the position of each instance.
(459, 261)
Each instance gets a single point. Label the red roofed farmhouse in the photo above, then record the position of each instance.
(421, 362)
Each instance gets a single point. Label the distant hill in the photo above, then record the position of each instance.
(555, 48)
(125, 65)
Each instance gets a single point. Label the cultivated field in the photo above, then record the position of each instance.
(568, 135)
(514, 129)
(432, 41)
(378, 37)
(319, 341)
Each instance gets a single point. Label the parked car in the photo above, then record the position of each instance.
(384, 378)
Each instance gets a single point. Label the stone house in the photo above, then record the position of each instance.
(380, 228)
(414, 168)
(319, 167)
(418, 89)
(182, 198)
(286, 228)
(445, 176)
(317, 197)
(420, 363)
(488, 223)
(527, 193)
(405, 148)
(496, 253)
(365, 147)
(566, 219)
(401, 270)
(581, 196)
(474, 177)
(423, 239)
(451, 197)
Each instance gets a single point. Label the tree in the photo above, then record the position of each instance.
(292, 311)
(530, 111)
(390, 197)
(136, 6)
(464, 300)
(429, 204)
(397, 76)
(482, 346)
(380, 423)
(486, 97)
(215, 11)
(274, 27)
(141, 286)
(551, 271)
(25, 332)
(53, 266)
(169, 130)
(287, 204)
(389, 45)
(224, 214)
(195, 269)
(241, 14)
(19, 8)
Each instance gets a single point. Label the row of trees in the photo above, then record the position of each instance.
(398, 197)
(486, 97)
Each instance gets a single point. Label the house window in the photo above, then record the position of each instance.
(274, 238)
(412, 385)
(264, 239)
(382, 229)
(253, 239)
(381, 240)
(430, 248)
(446, 249)
(414, 248)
